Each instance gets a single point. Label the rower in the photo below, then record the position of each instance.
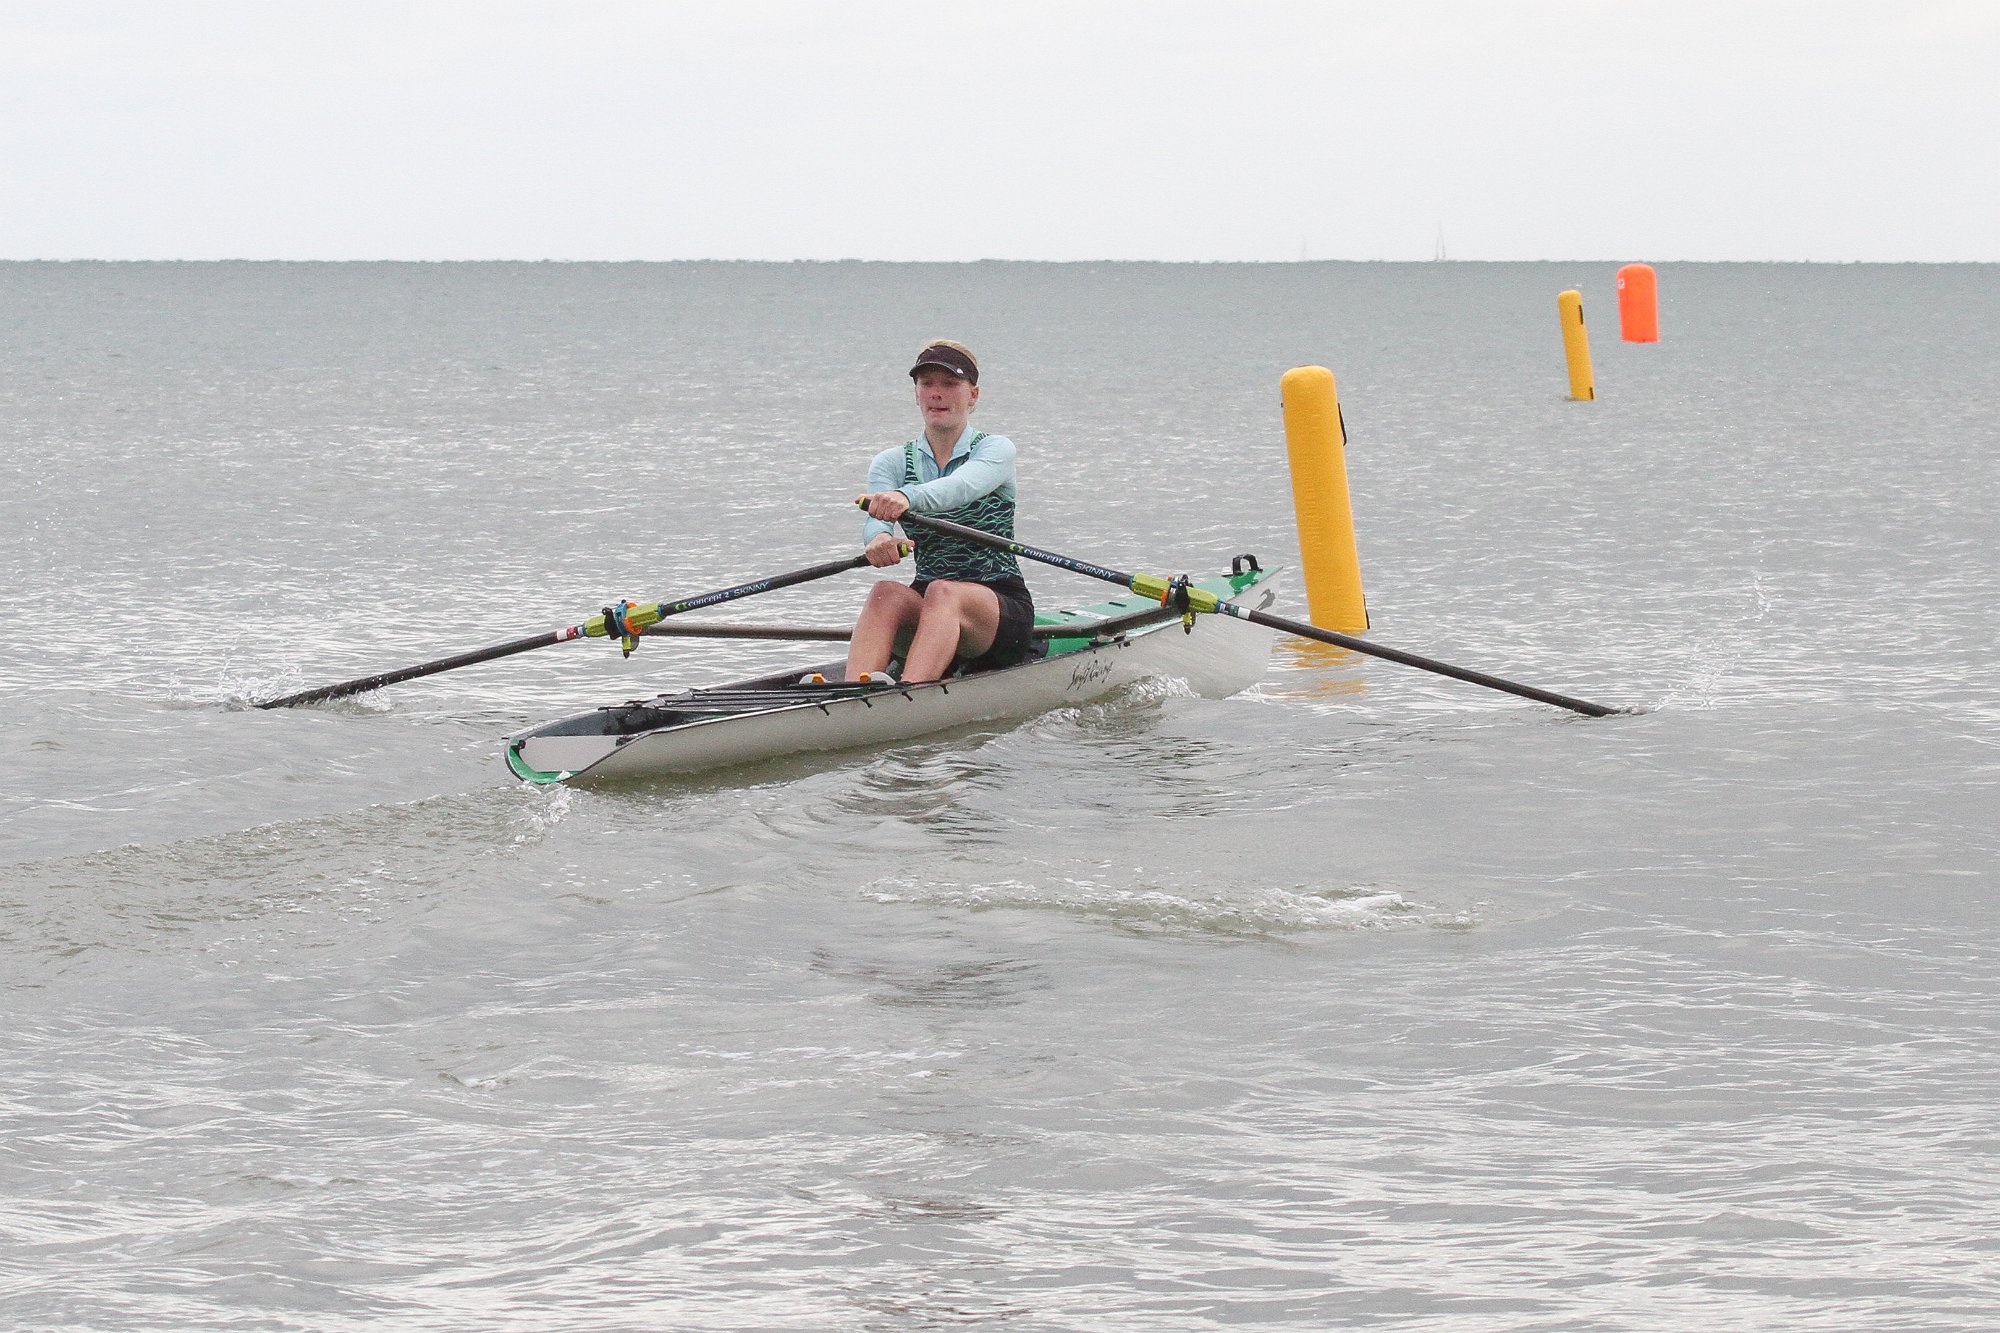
(968, 608)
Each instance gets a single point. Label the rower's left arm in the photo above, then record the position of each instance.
(988, 467)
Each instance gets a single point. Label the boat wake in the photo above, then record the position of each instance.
(1149, 908)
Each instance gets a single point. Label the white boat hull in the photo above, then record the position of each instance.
(1218, 657)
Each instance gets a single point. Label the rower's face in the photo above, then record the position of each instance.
(943, 398)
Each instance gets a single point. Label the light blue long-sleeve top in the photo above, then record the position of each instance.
(973, 470)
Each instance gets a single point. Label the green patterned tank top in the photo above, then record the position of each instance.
(944, 557)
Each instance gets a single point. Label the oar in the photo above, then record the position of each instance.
(1153, 585)
(625, 621)
(806, 633)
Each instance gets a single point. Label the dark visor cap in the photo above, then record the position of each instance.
(947, 358)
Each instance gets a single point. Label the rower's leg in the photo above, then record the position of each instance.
(890, 615)
(959, 620)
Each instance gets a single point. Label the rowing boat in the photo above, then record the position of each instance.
(1087, 653)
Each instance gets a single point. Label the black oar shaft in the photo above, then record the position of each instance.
(755, 586)
(1070, 563)
(376, 682)
(1340, 640)
(1269, 621)
(564, 635)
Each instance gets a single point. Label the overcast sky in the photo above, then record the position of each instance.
(1015, 129)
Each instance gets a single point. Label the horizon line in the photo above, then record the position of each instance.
(1179, 263)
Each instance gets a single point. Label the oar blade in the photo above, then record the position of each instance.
(1467, 674)
(1152, 585)
(363, 684)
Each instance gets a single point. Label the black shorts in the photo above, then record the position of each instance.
(1011, 642)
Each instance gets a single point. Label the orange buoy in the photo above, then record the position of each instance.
(1639, 303)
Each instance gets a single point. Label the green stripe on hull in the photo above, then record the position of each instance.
(535, 776)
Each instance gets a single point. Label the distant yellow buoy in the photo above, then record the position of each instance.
(1638, 304)
(1315, 441)
(1576, 346)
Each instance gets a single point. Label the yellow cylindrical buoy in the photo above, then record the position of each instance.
(1638, 304)
(1576, 346)
(1315, 441)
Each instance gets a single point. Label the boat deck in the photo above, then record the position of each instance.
(693, 705)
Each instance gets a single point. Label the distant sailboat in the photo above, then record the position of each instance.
(1438, 256)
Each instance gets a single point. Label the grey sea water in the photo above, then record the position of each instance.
(1367, 999)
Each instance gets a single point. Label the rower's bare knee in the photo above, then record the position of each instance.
(970, 609)
(893, 604)
(944, 594)
(885, 595)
